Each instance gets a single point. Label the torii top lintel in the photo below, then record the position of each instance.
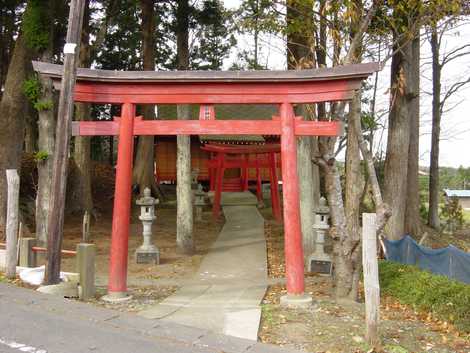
(214, 87)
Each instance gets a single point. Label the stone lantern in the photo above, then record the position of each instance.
(199, 202)
(147, 252)
(320, 261)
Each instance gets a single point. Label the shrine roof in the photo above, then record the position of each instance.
(355, 71)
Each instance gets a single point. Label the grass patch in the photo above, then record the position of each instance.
(392, 348)
(446, 299)
(466, 216)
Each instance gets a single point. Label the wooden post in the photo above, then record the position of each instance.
(61, 153)
(117, 285)
(371, 277)
(13, 184)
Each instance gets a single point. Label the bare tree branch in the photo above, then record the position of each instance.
(455, 53)
(453, 89)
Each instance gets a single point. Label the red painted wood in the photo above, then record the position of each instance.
(318, 128)
(216, 93)
(122, 203)
(275, 199)
(251, 149)
(239, 163)
(219, 180)
(292, 230)
(209, 127)
(206, 112)
(245, 172)
(259, 189)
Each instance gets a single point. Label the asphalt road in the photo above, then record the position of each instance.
(39, 323)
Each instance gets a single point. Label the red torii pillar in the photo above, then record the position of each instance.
(293, 250)
(117, 283)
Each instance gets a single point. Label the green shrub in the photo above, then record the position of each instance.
(41, 156)
(446, 299)
(32, 89)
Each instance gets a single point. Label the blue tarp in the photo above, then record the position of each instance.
(450, 261)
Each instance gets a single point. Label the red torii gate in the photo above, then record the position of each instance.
(283, 88)
(218, 165)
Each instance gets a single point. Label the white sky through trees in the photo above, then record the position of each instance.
(455, 126)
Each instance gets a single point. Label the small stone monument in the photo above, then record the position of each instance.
(147, 253)
(199, 202)
(320, 262)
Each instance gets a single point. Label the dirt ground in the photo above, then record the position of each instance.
(172, 264)
(325, 328)
(147, 283)
(331, 328)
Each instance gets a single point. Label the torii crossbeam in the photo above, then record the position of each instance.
(206, 88)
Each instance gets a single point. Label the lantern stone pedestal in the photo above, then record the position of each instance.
(321, 262)
(199, 202)
(147, 253)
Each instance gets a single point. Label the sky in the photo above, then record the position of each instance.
(455, 130)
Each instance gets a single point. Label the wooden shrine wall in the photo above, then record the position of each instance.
(165, 160)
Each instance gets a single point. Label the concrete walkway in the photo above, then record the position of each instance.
(225, 294)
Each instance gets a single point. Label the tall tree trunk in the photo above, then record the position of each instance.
(8, 20)
(433, 216)
(396, 160)
(31, 130)
(354, 183)
(46, 140)
(184, 221)
(412, 216)
(347, 250)
(300, 56)
(12, 111)
(80, 195)
(143, 174)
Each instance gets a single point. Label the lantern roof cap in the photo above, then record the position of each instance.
(147, 199)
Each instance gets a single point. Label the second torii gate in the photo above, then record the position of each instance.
(206, 88)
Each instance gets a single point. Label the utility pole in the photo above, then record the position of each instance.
(63, 132)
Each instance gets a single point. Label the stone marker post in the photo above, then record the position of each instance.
(86, 270)
(147, 252)
(27, 255)
(371, 278)
(13, 185)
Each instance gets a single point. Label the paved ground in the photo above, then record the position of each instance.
(41, 323)
(225, 294)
